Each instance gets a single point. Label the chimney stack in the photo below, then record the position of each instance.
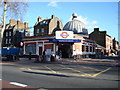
(52, 16)
(39, 19)
(26, 24)
(96, 29)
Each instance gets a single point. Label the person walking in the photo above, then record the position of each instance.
(43, 56)
(29, 55)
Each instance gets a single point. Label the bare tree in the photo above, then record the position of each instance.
(10, 7)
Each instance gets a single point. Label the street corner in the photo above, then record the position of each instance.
(8, 85)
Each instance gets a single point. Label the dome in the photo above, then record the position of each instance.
(76, 26)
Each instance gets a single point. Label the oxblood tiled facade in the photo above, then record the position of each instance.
(37, 44)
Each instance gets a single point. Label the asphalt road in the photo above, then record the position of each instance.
(61, 75)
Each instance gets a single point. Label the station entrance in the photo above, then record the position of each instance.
(66, 49)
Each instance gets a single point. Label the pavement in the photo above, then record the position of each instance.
(88, 61)
(6, 85)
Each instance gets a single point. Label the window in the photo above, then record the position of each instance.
(30, 48)
(87, 48)
(46, 22)
(10, 41)
(90, 49)
(83, 48)
(93, 49)
(37, 30)
(6, 41)
(9, 33)
(6, 34)
(42, 29)
(40, 23)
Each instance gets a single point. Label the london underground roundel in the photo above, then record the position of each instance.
(64, 34)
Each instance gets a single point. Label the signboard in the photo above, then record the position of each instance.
(64, 40)
(64, 34)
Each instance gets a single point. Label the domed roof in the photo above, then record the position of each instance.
(75, 25)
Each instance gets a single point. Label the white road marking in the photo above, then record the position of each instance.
(42, 89)
(18, 84)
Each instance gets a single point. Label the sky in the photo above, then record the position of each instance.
(94, 14)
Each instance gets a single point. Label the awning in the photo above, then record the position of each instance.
(64, 40)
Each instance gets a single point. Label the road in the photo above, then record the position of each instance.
(41, 75)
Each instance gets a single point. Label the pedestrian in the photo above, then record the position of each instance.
(29, 55)
(60, 54)
(43, 56)
(74, 54)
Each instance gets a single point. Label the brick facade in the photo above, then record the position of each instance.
(102, 39)
(47, 26)
(11, 28)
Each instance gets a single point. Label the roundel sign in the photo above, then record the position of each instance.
(64, 34)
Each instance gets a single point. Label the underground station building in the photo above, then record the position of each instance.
(72, 39)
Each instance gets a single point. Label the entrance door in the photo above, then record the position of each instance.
(40, 50)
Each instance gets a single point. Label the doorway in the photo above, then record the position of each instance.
(40, 50)
(66, 50)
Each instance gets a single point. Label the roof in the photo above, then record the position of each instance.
(39, 37)
(76, 26)
(99, 46)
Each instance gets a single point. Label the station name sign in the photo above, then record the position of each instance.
(64, 40)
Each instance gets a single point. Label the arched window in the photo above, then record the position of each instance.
(30, 48)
